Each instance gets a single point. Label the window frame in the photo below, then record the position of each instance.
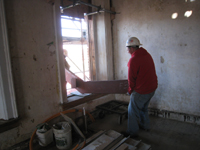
(59, 53)
(60, 59)
(8, 107)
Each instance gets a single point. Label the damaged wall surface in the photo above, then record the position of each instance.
(30, 29)
(32, 42)
(173, 44)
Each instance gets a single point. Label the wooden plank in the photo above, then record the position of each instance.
(100, 143)
(132, 142)
(92, 138)
(122, 147)
(91, 50)
(105, 141)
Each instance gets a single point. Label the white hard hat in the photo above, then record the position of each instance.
(133, 41)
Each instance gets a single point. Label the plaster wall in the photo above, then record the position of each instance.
(173, 44)
(32, 38)
(30, 27)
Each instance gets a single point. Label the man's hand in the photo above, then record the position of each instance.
(128, 93)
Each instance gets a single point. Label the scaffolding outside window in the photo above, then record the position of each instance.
(75, 48)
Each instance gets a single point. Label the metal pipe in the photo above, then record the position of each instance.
(69, 6)
(87, 4)
(85, 119)
(93, 13)
(108, 11)
(78, 2)
(98, 12)
(84, 3)
(98, 7)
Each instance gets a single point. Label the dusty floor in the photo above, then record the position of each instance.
(165, 134)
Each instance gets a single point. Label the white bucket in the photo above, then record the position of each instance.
(45, 138)
(63, 136)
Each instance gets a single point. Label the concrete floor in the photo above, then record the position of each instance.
(165, 134)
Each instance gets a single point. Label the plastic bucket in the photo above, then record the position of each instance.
(63, 135)
(45, 138)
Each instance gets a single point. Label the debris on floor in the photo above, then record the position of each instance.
(112, 140)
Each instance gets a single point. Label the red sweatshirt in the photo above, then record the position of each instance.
(141, 73)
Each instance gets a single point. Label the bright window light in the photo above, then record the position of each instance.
(71, 27)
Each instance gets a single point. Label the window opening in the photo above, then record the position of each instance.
(75, 48)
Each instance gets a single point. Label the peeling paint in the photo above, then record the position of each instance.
(30, 56)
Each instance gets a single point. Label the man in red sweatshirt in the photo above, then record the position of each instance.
(142, 82)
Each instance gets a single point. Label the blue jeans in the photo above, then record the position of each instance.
(138, 112)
